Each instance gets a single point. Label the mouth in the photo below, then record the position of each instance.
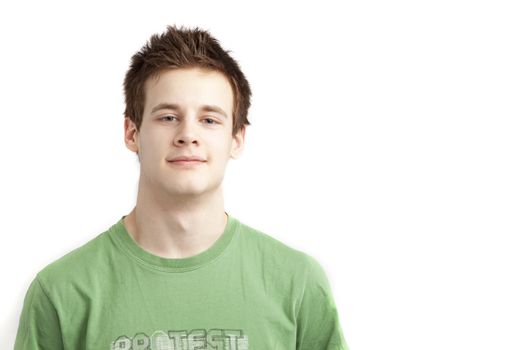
(186, 162)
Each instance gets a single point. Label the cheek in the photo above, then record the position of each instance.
(153, 147)
(219, 146)
(226, 150)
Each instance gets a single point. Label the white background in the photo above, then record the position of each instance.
(387, 141)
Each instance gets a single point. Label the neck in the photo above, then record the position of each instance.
(176, 226)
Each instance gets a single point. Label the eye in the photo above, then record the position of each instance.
(214, 122)
(166, 116)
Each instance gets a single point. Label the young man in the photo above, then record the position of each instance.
(179, 272)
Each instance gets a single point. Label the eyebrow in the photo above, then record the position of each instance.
(176, 107)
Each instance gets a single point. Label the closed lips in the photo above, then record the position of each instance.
(186, 159)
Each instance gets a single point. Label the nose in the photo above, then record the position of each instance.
(186, 133)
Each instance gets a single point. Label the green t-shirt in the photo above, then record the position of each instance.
(247, 291)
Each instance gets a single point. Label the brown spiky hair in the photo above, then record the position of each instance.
(184, 48)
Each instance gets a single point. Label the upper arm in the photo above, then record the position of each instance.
(39, 326)
(317, 319)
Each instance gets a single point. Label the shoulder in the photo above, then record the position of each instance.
(266, 246)
(76, 265)
(293, 272)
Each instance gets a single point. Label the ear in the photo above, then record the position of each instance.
(131, 137)
(238, 143)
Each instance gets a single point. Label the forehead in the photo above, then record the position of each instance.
(189, 87)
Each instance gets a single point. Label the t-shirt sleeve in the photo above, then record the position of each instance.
(39, 327)
(318, 320)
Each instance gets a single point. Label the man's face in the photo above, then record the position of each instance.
(186, 128)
